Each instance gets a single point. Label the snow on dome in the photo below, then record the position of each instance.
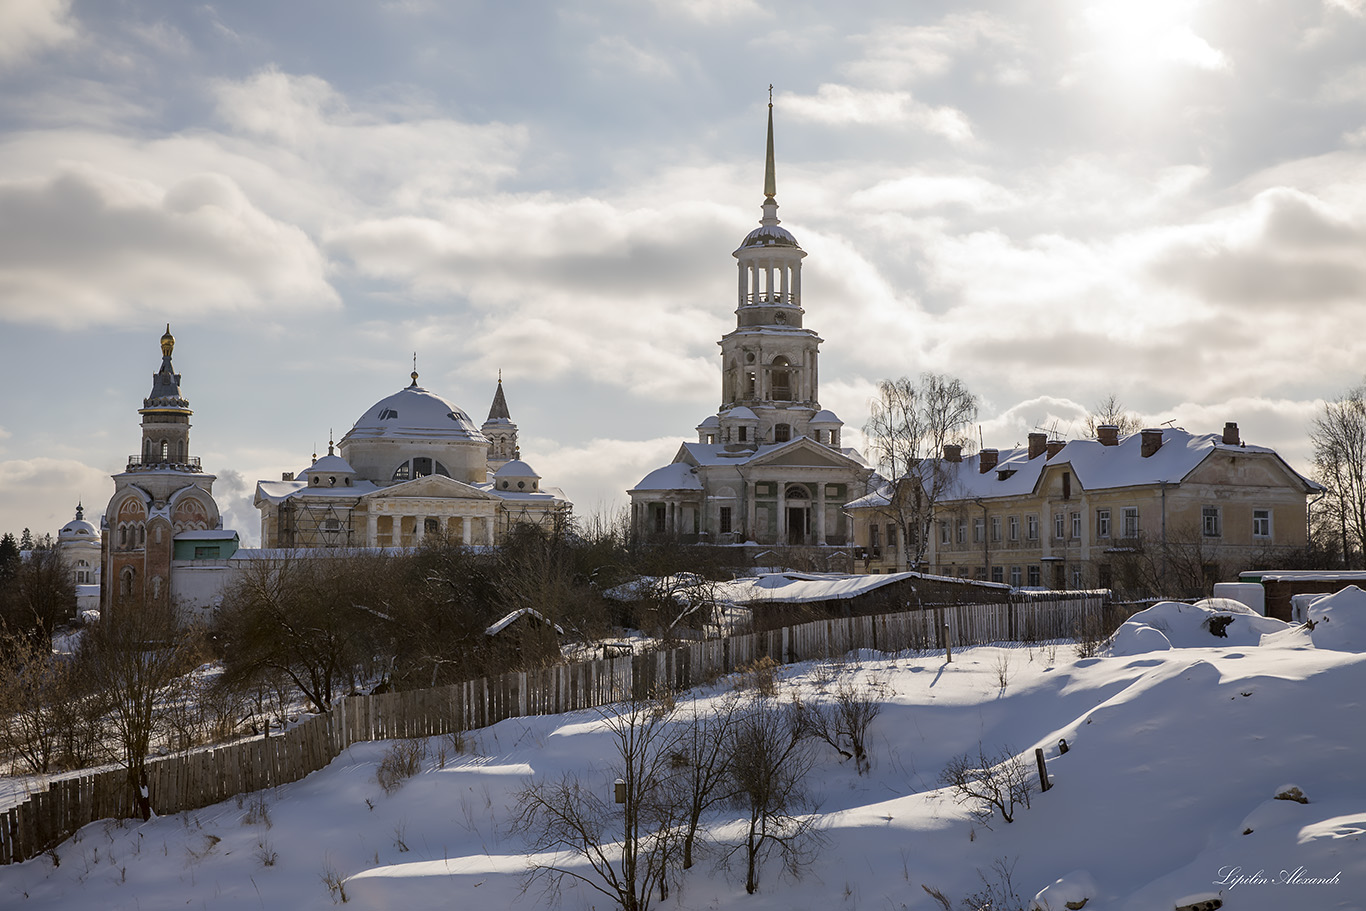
(741, 413)
(516, 468)
(330, 465)
(415, 412)
(1340, 621)
(825, 416)
(678, 476)
(77, 528)
(712, 421)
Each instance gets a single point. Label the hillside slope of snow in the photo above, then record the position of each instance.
(1167, 791)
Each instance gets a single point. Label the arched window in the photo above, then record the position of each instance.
(781, 379)
(126, 580)
(165, 451)
(419, 467)
(123, 536)
(782, 433)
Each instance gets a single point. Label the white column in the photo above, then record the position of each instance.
(372, 530)
(465, 530)
(749, 511)
(419, 528)
(797, 282)
(488, 530)
(782, 513)
(782, 282)
(820, 512)
(741, 292)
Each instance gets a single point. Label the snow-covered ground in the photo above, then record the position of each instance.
(1178, 747)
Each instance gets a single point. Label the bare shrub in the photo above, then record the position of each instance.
(335, 882)
(843, 722)
(265, 854)
(258, 811)
(990, 784)
(401, 761)
(761, 676)
(1090, 634)
(1003, 670)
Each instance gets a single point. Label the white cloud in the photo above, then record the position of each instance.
(1356, 8)
(41, 493)
(615, 53)
(932, 191)
(711, 12)
(106, 247)
(841, 104)
(900, 55)
(1345, 87)
(31, 26)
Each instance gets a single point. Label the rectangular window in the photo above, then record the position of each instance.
(944, 533)
(1210, 522)
(1032, 528)
(1014, 528)
(660, 520)
(891, 537)
(998, 574)
(744, 434)
(1076, 525)
(725, 520)
(1035, 577)
(1067, 485)
(962, 532)
(1016, 577)
(978, 531)
(874, 538)
(1059, 525)
(996, 528)
(1102, 523)
(1104, 575)
(1129, 516)
(1261, 523)
(1076, 577)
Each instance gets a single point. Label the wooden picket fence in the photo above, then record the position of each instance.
(191, 780)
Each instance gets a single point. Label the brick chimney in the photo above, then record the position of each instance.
(1231, 434)
(953, 452)
(1038, 444)
(1152, 441)
(1055, 446)
(989, 457)
(1108, 435)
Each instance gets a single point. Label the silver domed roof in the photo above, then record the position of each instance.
(770, 236)
(414, 412)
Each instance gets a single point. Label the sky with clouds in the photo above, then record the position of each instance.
(1164, 201)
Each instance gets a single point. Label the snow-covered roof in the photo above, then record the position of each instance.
(414, 412)
(279, 491)
(712, 421)
(515, 468)
(769, 236)
(801, 588)
(503, 624)
(678, 476)
(825, 416)
(77, 528)
(1094, 465)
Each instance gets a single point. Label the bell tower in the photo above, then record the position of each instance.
(769, 370)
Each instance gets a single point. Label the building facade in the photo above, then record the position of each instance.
(413, 465)
(163, 507)
(768, 467)
(1075, 514)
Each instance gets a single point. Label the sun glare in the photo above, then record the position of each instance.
(1140, 42)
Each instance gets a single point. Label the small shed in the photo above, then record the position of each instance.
(522, 640)
(1282, 584)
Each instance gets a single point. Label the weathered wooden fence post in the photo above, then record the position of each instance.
(1044, 783)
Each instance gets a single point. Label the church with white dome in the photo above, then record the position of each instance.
(413, 465)
(768, 468)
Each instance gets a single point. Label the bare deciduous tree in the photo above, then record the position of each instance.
(1338, 433)
(770, 758)
(134, 657)
(630, 853)
(1111, 412)
(909, 424)
(704, 759)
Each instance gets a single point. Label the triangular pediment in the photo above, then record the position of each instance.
(804, 453)
(432, 486)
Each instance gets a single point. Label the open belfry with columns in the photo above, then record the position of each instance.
(768, 468)
(413, 465)
(163, 509)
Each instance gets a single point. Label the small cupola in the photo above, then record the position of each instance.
(516, 476)
(330, 471)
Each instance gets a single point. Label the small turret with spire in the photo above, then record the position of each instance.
(500, 430)
(165, 419)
